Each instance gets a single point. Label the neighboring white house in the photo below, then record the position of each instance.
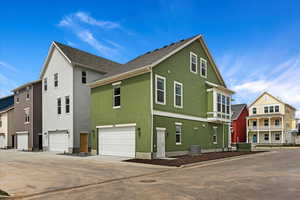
(66, 98)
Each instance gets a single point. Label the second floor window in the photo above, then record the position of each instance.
(276, 108)
(178, 91)
(83, 76)
(254, 123)
(160, 87)
(59, 106)
(203, 67)
(56, 80)
(254, 111)
(266, 109)
(27, 95)
(266, 122)
(27, 116)
(117, 96)
(271, 109)
(193, 62)
(67, 103)
(45, 84)
(277, 122)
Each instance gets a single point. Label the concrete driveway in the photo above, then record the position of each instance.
(273, 176)
(26, 173)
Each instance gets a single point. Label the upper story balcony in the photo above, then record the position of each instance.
(265, 128)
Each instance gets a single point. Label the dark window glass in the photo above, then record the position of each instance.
(83, 76)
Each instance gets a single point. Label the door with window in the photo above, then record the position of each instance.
(254, 138)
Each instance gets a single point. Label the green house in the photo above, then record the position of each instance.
(160, 103)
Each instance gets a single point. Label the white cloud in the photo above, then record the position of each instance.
(8, 66)
(86, 18)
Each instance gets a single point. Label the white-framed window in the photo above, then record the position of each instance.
(214, 136)
(254, 110)
(276, 108)
(277, 136)
(45, 84)
(83, 77)
(271, 109)
(0, 120)
(117, 96)
(17, 99)
(254, 123)
(219, 102)
(27, 93)
(56, 80)
(160, 89)
(178, 94)
(266, 137)
(193, 62)
(266, 122)
(67, 104)
(27, 115)
(178, 133)
(266, 109)
(277, 122)
(58, 106)
(203, 67)
(227, 105)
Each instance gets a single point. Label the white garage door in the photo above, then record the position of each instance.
(2, 141)
(118, 141)
(58, 141)
(22, 141)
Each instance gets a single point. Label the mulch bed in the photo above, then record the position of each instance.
(188, 159)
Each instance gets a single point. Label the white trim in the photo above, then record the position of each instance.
(151, 108)
(116, 83)
(22, 132)
(83, 132)
(125, 125)
(191, 55)
(165, 90)
(178, 123)
(160, 129)
(181, 95)
(105, 126)
(205, 61)
(113, 102)
(179, 116)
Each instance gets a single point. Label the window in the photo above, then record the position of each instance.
(27, 94)
(59, 106)
(193, 62)
(160, 87)
(83, 76)
(203, 67)
(266, 122)
(178, 94)
(266, 109)
(223, 104)
(45, 84)
(67, 104)
(266, 137)
(277, 122)
(219, 104)
(27, 116)
(56, 80)
(178, 134)
(254, 123)
(117, 96)
(276, 108)
(0, 121)
(254, 111)
(277, 136)
(17, 100)
(214, 137)
(228, 105)
(271, 109)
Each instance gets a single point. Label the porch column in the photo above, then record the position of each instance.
(270, 135)
(258, 127)
(247, 131)
(282, 138)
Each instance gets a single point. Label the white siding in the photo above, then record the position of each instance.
(51, 120)
(4, 128)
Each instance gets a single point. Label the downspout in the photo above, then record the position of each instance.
(151, 110)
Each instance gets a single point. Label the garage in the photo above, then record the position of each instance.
(58, 141)
(117, 141)
(2, 141)
(22, 141)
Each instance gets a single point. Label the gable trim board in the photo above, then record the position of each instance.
(121, 76)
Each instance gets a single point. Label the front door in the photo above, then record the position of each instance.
(13, 141)
(254, 138)
(84, 142)
(161, 149)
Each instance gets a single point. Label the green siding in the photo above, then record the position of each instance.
(193, 133)
(135, 108)
(177, 68)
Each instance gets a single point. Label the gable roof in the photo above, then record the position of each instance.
(26, 84)
(77, 57)
(6, 103)
(152, 58)
(267, 93)
(236, 110)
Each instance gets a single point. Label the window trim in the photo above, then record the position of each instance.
(114, 87)
(165, 89)
(45, 84)
(178, 124)
(67, 97)
(215, 129)
(191, 55)
(181, 95)
(27, 116)
(83, 77)
(205, 61)
(255, 110)
(56, 86)
(57, 106)
(266, 134)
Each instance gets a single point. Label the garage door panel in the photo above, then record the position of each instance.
(58, 141)
(22, 141)
(117, 141)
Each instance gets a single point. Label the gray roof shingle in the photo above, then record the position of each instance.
(236, 110)
(87, 60)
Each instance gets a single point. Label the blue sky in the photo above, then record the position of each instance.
(255, 44)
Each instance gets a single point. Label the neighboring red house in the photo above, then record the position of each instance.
(238, 124)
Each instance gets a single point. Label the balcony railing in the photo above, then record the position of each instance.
(265, 128)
